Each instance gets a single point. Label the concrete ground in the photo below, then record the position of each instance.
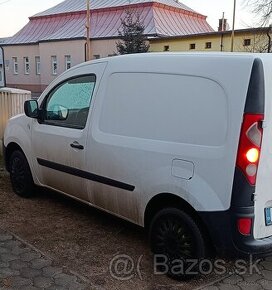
(52, 242)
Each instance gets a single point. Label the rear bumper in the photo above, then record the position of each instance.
(222, 227)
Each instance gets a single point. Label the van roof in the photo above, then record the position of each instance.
(138, 56)
(143, 56)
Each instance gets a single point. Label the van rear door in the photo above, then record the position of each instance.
(263, 192)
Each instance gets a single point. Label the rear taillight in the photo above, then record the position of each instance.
(250, 146)
(244, 226)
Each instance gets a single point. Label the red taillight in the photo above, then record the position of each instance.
(244, 226)
(250, 146)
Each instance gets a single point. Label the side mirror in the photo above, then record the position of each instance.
(31, 109)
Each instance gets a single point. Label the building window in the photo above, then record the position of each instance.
(247, 42)
(54, 65)
(26, 65)
(7, 64)
(208, 45)
(15, 65)
(68, 62)
(38, 65)
(166, 48)
(192, 46)
(96, 56)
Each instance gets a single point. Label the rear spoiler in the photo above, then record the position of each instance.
(256, 91)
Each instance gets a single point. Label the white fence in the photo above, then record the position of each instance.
(11, 104)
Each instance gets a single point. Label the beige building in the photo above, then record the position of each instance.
(245, 40)
(25, 65)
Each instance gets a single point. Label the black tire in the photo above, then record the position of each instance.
(176, 239)
(20, 175)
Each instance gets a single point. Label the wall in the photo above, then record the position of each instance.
(74, 48)
(103, 47)
(37, 83)
(29, 82)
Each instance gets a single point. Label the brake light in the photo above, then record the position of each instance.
(250, 146)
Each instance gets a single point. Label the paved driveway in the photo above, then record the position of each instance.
(24, 267)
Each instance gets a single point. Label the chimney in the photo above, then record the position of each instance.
(223, 24)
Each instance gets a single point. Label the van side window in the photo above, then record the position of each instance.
(68, 104)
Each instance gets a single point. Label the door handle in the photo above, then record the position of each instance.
(76, 145)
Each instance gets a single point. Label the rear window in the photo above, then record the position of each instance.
(163, 107)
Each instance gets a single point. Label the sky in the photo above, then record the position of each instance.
(14, 13)
(214, 10)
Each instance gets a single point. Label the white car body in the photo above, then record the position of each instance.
(158, 124)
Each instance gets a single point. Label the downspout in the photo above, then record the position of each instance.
(221, 45)
(4, 67)
(269, 39)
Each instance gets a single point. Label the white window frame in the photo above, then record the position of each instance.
(15, 65)
(27, 65)
(38, 65)
(68, 62)
(54, 65)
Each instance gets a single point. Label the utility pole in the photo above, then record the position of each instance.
(88, 40)
(222, 30)
(233, 26)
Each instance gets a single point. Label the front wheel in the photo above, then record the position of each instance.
(177, 243)
(20, 175)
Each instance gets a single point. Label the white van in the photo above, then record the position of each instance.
(178, 143)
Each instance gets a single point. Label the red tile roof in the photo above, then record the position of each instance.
(159, 20)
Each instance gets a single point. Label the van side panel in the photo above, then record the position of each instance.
(176, 111)
(142, 153)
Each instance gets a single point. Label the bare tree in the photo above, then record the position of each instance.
(263, 11)
(260, 41)
(262, 8)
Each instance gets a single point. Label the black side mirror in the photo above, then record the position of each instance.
(31, 109)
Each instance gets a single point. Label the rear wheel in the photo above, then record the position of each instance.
(20, 175)
(177, 243)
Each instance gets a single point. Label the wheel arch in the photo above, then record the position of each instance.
(164, 200)
(11, 147)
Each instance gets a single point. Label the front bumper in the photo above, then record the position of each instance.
(223, 230)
